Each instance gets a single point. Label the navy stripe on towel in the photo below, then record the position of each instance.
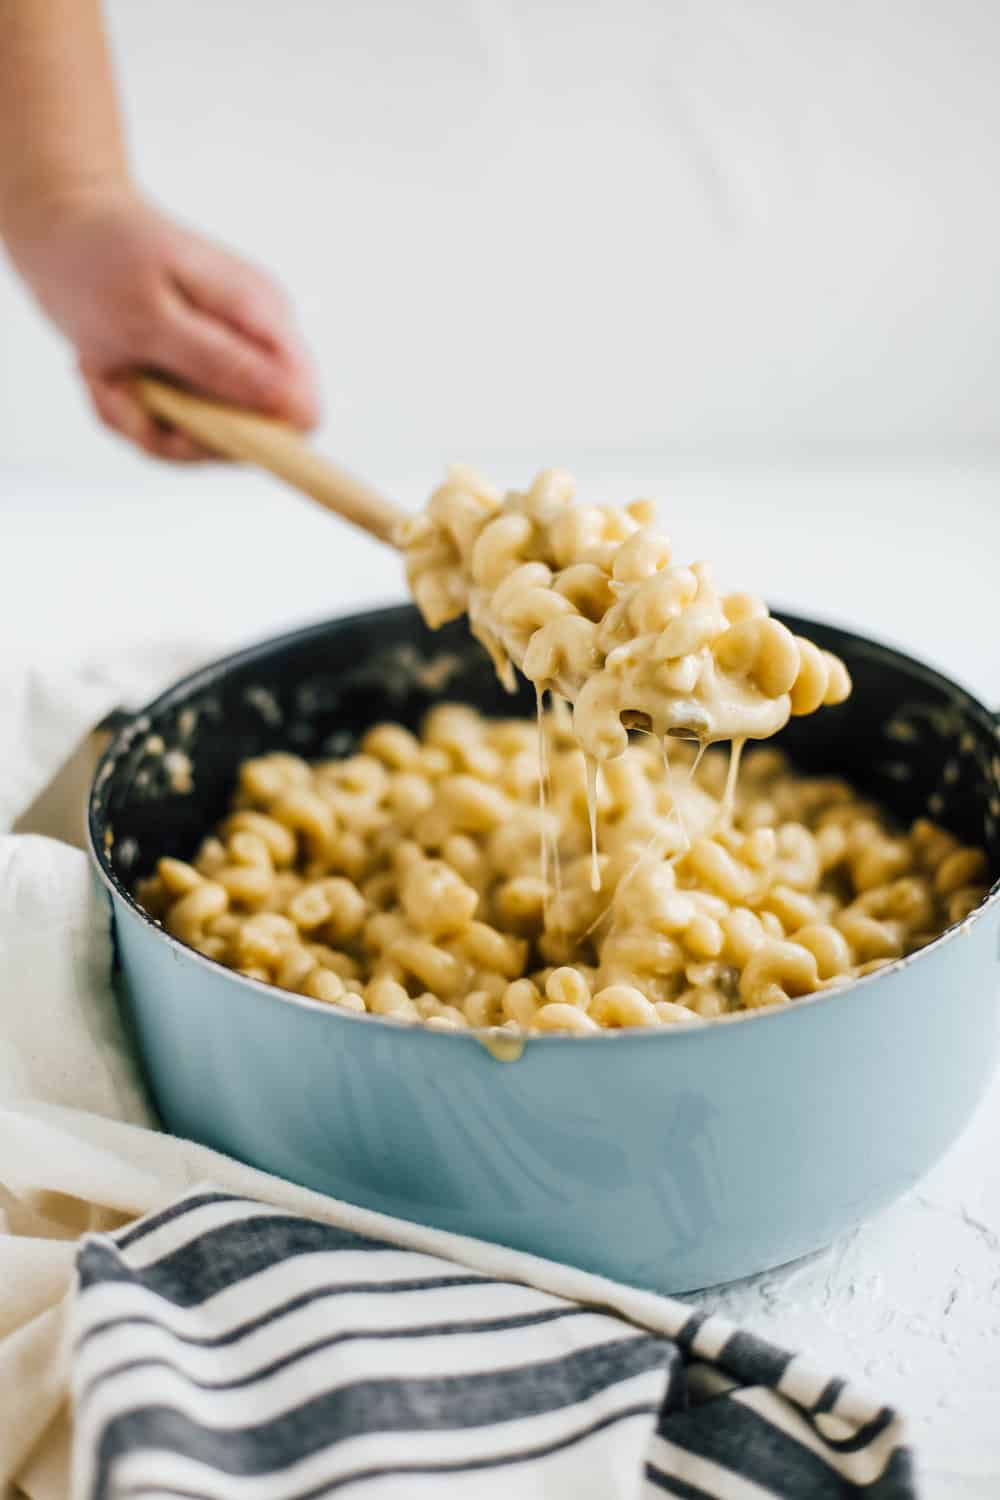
(220, 1257)
(315, 1294)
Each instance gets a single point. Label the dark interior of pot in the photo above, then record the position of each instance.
(906, 736)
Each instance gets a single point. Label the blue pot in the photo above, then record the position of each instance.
(672, 1160)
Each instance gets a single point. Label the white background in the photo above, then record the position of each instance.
(615, 223)
(743, 258)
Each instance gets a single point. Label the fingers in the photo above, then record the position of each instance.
(225, 296)
(236, 293)
(173, 303)
(119, 409)
(212, 356)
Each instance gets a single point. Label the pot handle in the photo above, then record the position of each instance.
(60, 809)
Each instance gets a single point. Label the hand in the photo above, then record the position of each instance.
(132, 291)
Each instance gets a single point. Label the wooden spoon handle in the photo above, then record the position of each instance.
(250, 438)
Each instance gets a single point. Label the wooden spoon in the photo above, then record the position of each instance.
(236, 433)
(250, 438)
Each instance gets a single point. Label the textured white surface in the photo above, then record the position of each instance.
(910, 1303)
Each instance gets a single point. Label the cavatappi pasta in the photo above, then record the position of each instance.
(405, 880)
(590, 605)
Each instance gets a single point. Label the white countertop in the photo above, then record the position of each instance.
(909, 1303)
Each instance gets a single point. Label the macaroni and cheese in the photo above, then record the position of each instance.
(405, 880)
(590, 605)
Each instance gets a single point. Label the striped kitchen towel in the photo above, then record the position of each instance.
(228, 1350)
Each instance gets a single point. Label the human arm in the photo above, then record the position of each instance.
(129, 287)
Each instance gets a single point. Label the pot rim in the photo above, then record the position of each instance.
(139, 723)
